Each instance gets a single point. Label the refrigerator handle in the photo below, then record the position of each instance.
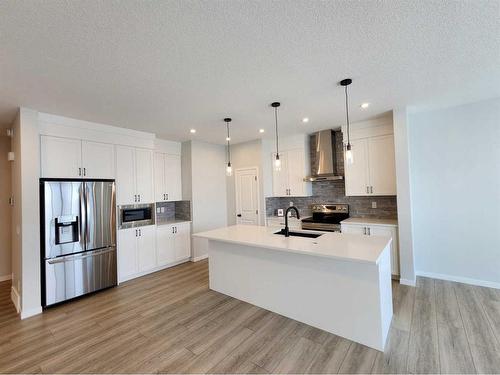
(83, 216)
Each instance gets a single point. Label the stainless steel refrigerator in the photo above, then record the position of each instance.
(78, 238)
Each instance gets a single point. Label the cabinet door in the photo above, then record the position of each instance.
(60, 157)
(127, 254)
(159, 176)
(280, 179)
(98, 160)
(296, 172)
(392, 233)
(173, 178)
(165, 246)
(183, 241)
(356, 174)
(144, 175)
(146, 249)
(125, 175)
(382, 171)
(353, 229)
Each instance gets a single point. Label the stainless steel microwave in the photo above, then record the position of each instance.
(136, 215)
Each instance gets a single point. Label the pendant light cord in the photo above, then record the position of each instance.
(276, 121)
(347, 115)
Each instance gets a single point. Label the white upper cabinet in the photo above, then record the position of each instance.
(74, 158)
(144, 175)
(289, 181)
(98, 160)
(373, 171)
(134, 175)
(61, 157)
(168, 185)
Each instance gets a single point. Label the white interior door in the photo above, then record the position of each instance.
(247, 196)
(382, 165)
(98, 160)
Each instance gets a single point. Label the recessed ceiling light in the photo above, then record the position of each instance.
(261, 130)
(364, 105)
(192, 131)
(305, 120)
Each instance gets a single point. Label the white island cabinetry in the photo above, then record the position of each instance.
(340, 283)
(376, 227)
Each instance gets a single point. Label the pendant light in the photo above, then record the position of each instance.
(277, 161)
(348, 149)
(229, 168)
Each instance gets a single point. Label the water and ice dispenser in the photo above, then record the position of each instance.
(67, 230)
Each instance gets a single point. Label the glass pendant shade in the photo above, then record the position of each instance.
(277, 164)
(348, 154)
(229, 170)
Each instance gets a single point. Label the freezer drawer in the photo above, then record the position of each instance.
(75, 275)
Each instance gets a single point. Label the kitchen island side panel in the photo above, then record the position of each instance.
(340, 297)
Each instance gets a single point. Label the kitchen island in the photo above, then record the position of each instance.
(340, 283)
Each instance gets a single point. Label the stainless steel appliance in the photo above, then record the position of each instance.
(324, 156)
(78, 238)
(136, 215)
(326, 217)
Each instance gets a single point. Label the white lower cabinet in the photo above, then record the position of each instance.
(369, 229)
(173, 243)
(150, 248)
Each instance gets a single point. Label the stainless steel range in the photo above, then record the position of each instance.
(326, 217)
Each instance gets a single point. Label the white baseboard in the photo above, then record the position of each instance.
(408, 282)
(31, 312)
(16, 299)
(197, 259)
(458, 279)
(5, 277)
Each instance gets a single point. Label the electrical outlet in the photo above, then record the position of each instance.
(291, 204)
(374, 204)
(162, 210)
(157, 210)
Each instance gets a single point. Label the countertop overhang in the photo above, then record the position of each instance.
(340, 246)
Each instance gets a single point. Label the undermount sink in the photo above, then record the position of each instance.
(299, 234)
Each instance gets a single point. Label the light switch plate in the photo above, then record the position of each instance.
(374, 204)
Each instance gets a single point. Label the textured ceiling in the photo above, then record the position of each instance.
(169, 66)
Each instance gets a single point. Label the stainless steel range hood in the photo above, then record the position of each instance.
(323, 157)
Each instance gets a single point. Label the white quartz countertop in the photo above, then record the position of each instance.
(370, 221)
(342, 246)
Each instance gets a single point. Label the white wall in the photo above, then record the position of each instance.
(245, 155)
(5, 209)
(405, 229)
(455, 185)
(208, 190)
(25, 214)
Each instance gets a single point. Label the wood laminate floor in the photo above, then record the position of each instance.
(171, 322)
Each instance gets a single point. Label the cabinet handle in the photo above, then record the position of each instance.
(368, 231)
(84, 171)
(367, 190)
(79, 171)
(140, 233)
(371, 189)
(139, 195)
(136, 232)
(364, 230)
(175, 229)
(135, 198)
(167, 196)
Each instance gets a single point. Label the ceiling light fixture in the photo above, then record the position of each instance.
(305, 120)
(192, 131)
(277, 161)
(364, 105)
(348, 149)
(261, 130)
(229, 168)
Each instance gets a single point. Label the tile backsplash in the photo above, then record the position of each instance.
(177, 210)
(334, 192)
